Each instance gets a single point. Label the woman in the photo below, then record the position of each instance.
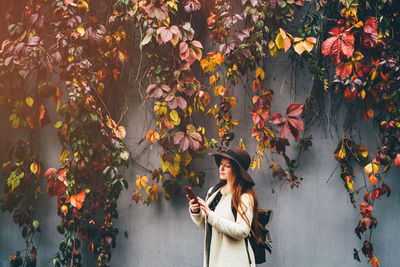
(228, 212)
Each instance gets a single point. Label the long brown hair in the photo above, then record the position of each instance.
(240, 187)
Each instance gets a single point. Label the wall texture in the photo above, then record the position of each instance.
(312, 226)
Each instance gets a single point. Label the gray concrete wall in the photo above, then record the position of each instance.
(313, 226)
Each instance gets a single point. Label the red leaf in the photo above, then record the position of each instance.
(375, 194)
(178, 136)
(326, 46)
(397, 160)
(50, 173)
(283, 129)
(277, 118)
(336, 31)
(55, 187)
(296, 123)
(294, 109)
(344, 69)
(339, 47)
(184, 143)
(181, 102)
(294, 132)
(350, 95)
(367, 196)
(370, 35)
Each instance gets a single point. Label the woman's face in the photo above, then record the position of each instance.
(226, 170)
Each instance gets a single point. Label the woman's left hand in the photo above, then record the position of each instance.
(204, 206)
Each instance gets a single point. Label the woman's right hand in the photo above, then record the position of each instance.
(194, 207)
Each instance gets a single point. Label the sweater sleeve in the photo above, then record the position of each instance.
(199, 218)
(239, 229)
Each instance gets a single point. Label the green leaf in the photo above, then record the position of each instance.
(58, 124)
(35, 224)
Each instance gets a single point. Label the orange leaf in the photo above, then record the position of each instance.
(370, 113)
(141, 181)
(152, 136)
(397, 160)
(375, 262)
(219, 58)
(344, 69)
(78, 199)
(372, 179)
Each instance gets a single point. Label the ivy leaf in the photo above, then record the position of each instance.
(146, 38)
(370, 34)
(191, 5)
(371, 168)
(152, 136)
(157, 90)
(141, 181)
(294, 109)
(344, 69)
(277, 118)
(137, 196)
(340, 46)
(78, 199)
(282, 40)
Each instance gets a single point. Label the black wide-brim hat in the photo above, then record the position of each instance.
(240, 157)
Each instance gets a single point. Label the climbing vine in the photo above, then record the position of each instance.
(192, 55)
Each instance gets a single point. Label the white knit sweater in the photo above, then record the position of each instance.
(227, 246)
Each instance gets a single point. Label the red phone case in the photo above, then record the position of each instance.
(191, 194)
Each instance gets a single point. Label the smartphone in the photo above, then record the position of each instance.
(191, 194)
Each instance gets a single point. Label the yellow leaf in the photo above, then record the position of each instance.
(186, 158)
(241, 144)
(282, 40)
(299, 47)
(371, 168)
(253, 163)
(29, 101)
(232, 101)
(342, 152)
(350, 185)
(141, 181)
(260, 72)
(34, 167)
(152, 191)
(212, 79)
(373, 76)
(165, 165)
(362, 94)
(64, 156)
(81, 30)
(205, 65)
(120, 132)
(273, 50)
(364, 151)
(309, 43)
(175, 117)
(219, 90)
(219, 58)
(172, 5)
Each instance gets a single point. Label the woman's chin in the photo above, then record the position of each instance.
(222, 178)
